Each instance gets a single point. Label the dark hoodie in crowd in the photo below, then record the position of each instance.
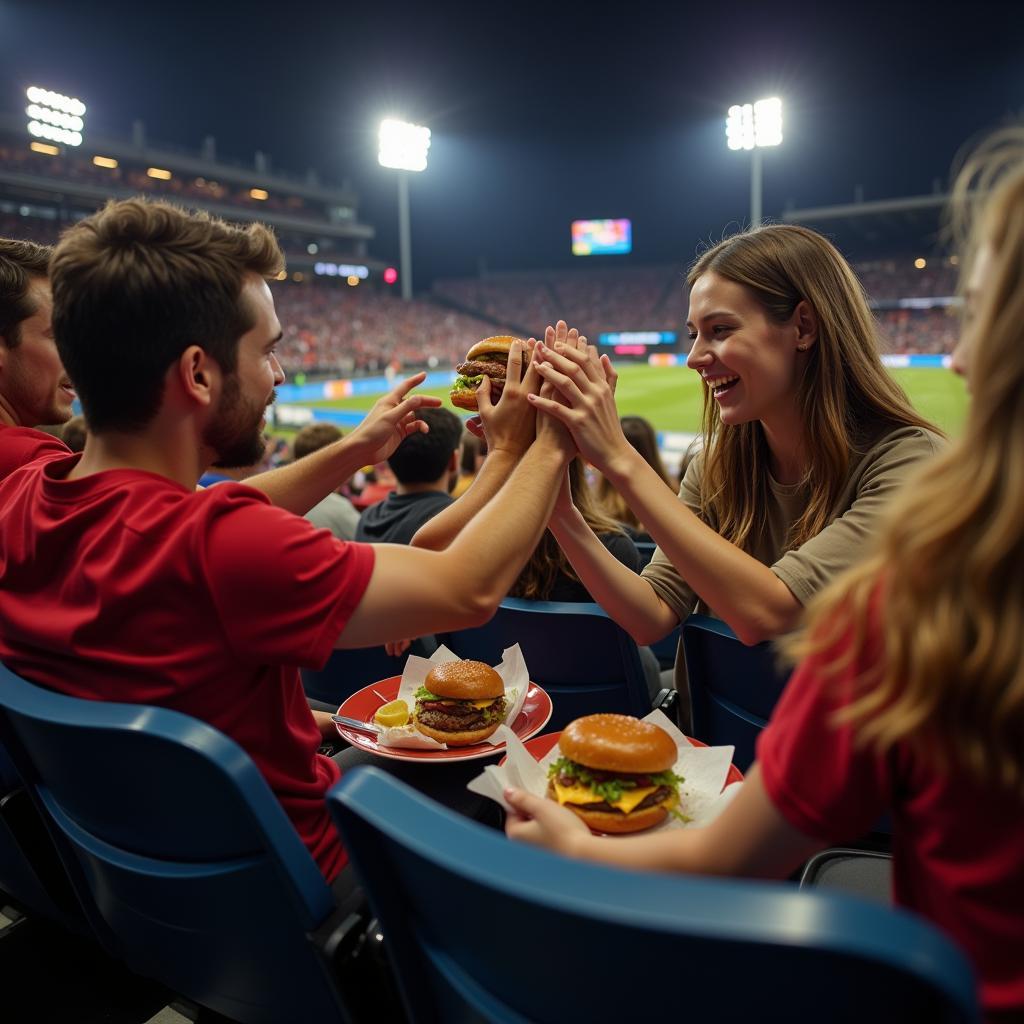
(396, 519)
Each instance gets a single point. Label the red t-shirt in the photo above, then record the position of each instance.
(958, 848)
(21, 445)
(124, 586)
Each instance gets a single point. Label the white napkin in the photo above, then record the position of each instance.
(704, 771)
(513, 674)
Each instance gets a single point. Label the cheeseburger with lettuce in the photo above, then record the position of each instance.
(616, 773)
(489, 357)
(460, 702)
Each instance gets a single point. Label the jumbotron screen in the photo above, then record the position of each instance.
(602, 237)
(635, 343)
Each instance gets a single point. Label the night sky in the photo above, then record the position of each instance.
(545, 113)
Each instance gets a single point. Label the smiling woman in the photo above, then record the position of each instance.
(806, 438)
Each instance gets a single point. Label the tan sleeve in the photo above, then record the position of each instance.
(875, 482)
(660, 573)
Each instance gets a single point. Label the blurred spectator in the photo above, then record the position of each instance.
(335, 513)
(473, 452)
(640, 434)
(74, 433)
(548, 575)
(425, 466)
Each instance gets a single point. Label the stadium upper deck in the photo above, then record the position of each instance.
(56, 185)
(334, 329)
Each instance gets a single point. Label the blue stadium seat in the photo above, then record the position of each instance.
(586, 662)
(187, 866)
(733, 687)
(478, 928)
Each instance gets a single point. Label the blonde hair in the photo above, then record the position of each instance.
(640, 434)
(845, 396)
(548, 561)
(944, 587)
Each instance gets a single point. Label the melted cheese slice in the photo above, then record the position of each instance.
(476, 703)
(585, 795)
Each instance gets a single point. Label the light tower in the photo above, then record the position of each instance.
(404, 147)
(754, 126)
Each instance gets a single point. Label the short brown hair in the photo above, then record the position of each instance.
(137, 283)
(314, 436)
(19, 263)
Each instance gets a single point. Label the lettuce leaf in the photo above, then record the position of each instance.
(609, 789)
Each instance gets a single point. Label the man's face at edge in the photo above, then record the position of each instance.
(34, 387)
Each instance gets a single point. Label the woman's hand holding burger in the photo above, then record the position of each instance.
(542, 822)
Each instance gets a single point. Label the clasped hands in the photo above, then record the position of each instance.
(566, 380)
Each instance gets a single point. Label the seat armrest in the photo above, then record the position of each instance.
(666, 701)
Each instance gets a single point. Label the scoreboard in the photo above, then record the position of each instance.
(637, 344)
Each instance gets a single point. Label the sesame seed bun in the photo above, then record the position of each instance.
(618, 743)
(464, 680)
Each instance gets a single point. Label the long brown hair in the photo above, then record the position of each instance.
(946, 572)
(845, 396)
(548, 561)
(640, 434)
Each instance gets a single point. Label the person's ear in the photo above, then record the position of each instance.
(805, 320)
(197, 374)
(453, 462)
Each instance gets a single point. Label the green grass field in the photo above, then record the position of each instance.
(670, 397)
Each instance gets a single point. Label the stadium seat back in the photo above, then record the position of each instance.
(184, 861)
(733, 687)
(479, 928)
(586, 662)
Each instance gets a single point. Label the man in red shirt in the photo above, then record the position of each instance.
(34, 388)
(119, 581)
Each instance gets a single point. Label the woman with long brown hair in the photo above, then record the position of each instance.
(910, 695)
(806, 439)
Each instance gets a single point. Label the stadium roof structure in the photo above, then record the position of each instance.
(139, 152)
(870, 227)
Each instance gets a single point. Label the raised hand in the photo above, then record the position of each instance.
(509, 423)
(585, 386)
(391, 420)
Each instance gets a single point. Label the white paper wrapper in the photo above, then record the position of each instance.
(704, 770)
(513, 674)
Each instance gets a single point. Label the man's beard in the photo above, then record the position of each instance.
(235, 433)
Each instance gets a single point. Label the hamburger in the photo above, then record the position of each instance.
(616, 773)
(489, 357)
(460, 702)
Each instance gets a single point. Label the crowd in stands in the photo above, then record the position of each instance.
(629, 299)
(919, 331)
(893, 279)
(332, 329)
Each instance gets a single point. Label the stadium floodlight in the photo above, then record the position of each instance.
(54, 116)
(403, 147)
(754, 126)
